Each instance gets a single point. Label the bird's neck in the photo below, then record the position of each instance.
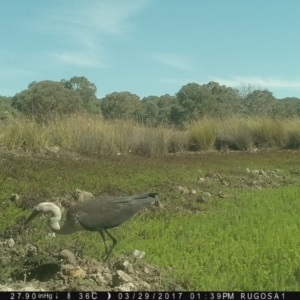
(54, 223)
(65, 229)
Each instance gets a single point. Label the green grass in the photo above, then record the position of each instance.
(249, 241)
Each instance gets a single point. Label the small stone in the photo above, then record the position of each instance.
(120, 277)
(183, 190)
(11, 243)
(69, 256)
(222, 195)
(194, 192)
(107, 274)
(81, 196)
(144, 286)
(248, 170)
(51, 235)
(139, 254)
(99, 279)
(206, 194)
(71, 271)
(31, 248)
(126, 266)
(94, 267)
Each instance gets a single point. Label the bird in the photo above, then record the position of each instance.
(96, 214)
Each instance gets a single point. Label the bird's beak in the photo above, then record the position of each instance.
(30, 218)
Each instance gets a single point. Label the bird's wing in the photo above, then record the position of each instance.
(109, 213)
(123, 199)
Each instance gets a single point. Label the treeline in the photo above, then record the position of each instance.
(192, 102)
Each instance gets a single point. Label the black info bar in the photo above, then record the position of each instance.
(149, 295)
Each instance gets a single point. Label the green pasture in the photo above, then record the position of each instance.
(247, 241)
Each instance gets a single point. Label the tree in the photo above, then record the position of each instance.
(150, 113)
(6, 110)
(258, 102)
(124, 105)
(228, 99)
(86, 90)
(47, 97)
(197, 100)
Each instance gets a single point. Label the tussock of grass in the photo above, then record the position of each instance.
(292, 134)
(24, 133)
(268, 132)
(235, 133)
(202, 134)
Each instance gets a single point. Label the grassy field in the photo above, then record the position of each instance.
(247, 241)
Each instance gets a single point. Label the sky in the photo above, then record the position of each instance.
(151, 47)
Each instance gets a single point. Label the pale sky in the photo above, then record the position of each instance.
(151, 47)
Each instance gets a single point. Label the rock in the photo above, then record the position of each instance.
(71, 271)
(183, 190)
(99, 279)
(26, 202)
(144, 286)
(120, 277)
(201, 179)
(128, 287)
(94, 267)
(69, 256)
(224, 182)
(31, 249)
(81, 196)
(194, 192)
(11, 243)
(107, 274)
(248, 170)
(51, 235)
(222, 195)
(263, 173)
(138, 254)
(207, 194)
(158, 204)
(125, 266)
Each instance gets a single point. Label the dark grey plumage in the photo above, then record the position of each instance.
(96, 214)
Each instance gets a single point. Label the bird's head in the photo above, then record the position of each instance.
(40, 208)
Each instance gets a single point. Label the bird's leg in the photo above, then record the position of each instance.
(104, 241)
(112, 247)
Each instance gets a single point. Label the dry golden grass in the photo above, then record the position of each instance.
(236, 133)
(90, 135)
